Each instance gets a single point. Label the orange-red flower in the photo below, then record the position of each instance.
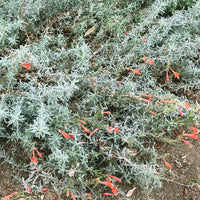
(147, 95)
(108, 194)
(135, 71)
(71, 134)
(44, 190)
(29, 189)
(127, 32)
(107, 183)
(105, 70)
(114, 190)
(34, 159)
(153, 113)
(144, 41)
(116, 130)
(185, 141)
(176, 74)
(181, 114)
(150, 61)
(65, 135)
(85, 129)
(194, 130)
(94, 131)
(38, 153)
(187, 105)
(146, 100)
(194, 136)
(167, 76)
(107, 112)
(83, 122)
(73, 197)
(167, 164)
(9, 196)
(115, 178)
(111, 129)
(25, 65)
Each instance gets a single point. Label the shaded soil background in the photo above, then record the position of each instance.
(181, 183)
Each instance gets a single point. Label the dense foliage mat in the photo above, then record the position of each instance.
(94, 86)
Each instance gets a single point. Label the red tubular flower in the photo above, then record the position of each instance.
(176, 74)
(181, 114)
(153, 113)
(194, 136)
(144, 41)
(116, 130)
(71, 134)
(147, 95)
(105, 70)
(25, 65)
(107, 183)
(114, 190)
(135, 71)
(150, 61)
(146, 100)
(34, 159)
(29, 189)
(187, 105)
(44, 190)
(194, 130)
(167, 76)
(185, 141)
(9, 196)
(65, 135)
(108, 194)
(85, 129)
(116, 178)
(83, 122)
(167, 164)
(38, 153)
(127, 32)
(93, 132)
(107, 112)
(73, 197)
(109, 129)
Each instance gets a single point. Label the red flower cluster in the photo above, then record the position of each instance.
(109, 184)
(34, 159)
(111, 129)
(66, 135)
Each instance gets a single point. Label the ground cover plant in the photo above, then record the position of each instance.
(89, 89)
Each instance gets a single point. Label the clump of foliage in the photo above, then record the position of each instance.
(65, 61)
